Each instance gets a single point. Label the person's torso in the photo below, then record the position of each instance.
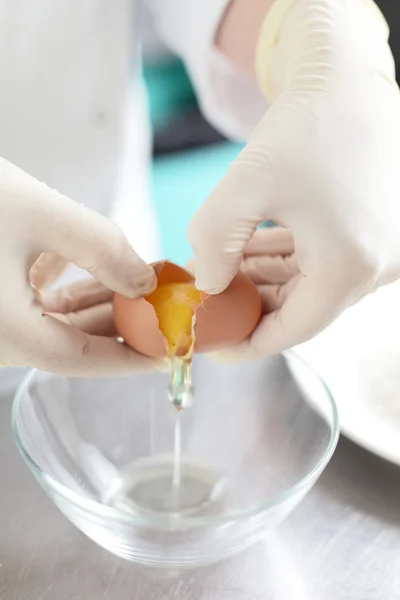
(64, 68)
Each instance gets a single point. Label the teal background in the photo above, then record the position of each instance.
(180, 182)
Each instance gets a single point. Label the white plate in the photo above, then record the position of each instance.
(359, 359)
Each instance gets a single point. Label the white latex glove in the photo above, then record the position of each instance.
(36, 220)
(271, 264)
(324, 162)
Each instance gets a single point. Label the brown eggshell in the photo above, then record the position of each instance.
(222, 320)
(168, 272)
(226, 319)
(135, 319)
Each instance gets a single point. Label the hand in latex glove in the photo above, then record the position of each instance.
(323, 162)
(34, 221)
(270, 262)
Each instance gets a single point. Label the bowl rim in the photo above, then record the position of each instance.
(169, 522)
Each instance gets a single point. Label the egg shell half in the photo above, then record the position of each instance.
(221, 321)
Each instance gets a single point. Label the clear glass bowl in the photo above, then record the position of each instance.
(253, 444)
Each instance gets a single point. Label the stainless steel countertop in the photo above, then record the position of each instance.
(342, 543)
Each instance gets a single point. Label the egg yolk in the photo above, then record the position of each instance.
(175, 305)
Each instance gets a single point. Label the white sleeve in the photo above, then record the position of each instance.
(231, 101)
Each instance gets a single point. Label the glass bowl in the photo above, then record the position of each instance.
(106, 451)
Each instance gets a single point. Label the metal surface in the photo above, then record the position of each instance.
(342, 543)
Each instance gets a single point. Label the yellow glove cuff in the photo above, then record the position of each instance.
(270, 33)
(268, 40)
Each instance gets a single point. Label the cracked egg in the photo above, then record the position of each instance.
(177, 318)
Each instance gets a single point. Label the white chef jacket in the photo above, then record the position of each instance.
(73, 110)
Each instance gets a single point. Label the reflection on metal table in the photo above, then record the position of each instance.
(341, 543)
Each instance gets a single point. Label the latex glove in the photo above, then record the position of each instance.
(323, 162)
(39, 228)
(270, 262)
(86, 305)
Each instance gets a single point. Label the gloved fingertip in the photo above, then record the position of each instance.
(208, 287)
(145, 281)
(210, 291)
(190, 266)
(136, 281)
(211, 283)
